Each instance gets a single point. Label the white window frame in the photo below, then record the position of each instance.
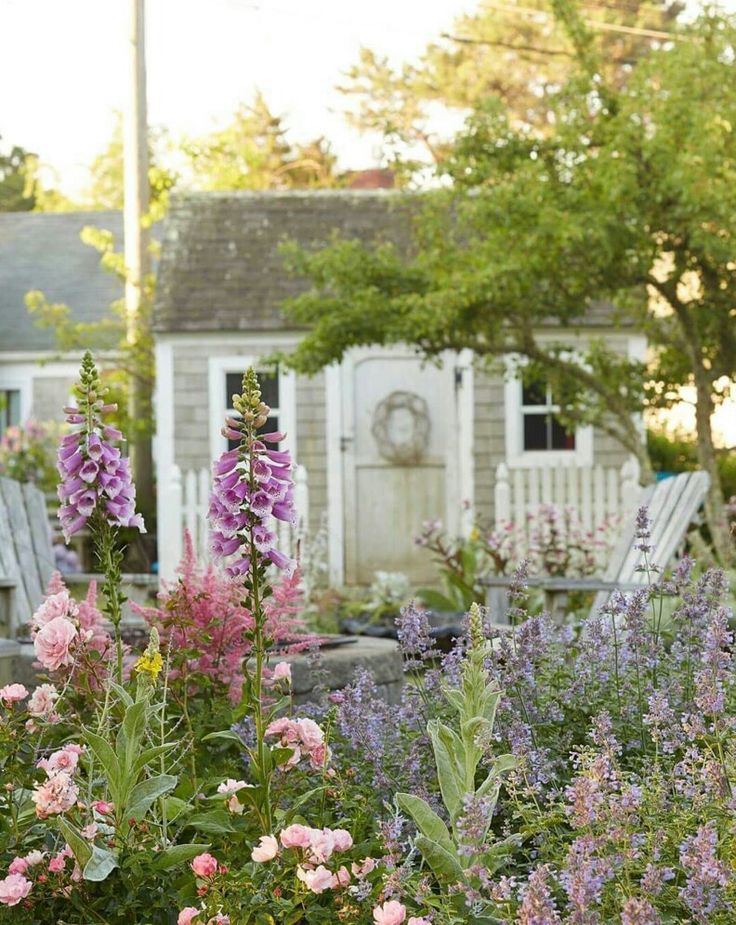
(219, 367)
(519, 458)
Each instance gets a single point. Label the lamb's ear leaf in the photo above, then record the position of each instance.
(445, 866)
(226, 734)
(81, 849)
(105, 754)
(449, 758)
(100, 865)
(426, 819)
(121, 693)
(144, 794)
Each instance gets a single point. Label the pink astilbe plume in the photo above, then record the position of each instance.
(202, 619)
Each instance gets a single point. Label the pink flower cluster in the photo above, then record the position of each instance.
(18, 884)
(59, 792)
(202, 615)
(62, 627)
(316, 847)
(241, 514)
(394, 913)
(304, 737)
(229, 789)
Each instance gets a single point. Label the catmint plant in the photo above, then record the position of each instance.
(252, 487)
(96, 490)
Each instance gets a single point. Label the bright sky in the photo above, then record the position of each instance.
(63, 66)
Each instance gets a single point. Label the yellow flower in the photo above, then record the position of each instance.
(475, 534)
(150, 663)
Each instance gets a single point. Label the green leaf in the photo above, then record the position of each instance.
(426, 819)
(216, 822)
(281, 755)
(100, 865)
(147, 756)
(226, 735)
(105, 754)
(131, 733)
(450, 761)
(81, 848)
(124, 696)
(144, 794)
(177, 854)
(445, 865)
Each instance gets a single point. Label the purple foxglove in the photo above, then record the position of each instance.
(251, 485)
(94, 477)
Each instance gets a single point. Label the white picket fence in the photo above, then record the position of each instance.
(594, 492)
(183, 504)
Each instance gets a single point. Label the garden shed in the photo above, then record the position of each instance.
(383, 440)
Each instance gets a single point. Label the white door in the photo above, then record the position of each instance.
(400, 463)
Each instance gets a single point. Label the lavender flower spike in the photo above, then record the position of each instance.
(252, 485)
(94, 476)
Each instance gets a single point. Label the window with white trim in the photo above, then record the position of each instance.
(542, 429)
(10, 408)
(269, 381)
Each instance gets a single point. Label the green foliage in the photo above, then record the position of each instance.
(15, 194)
(680, 454)
(253, 153)
(466, 773)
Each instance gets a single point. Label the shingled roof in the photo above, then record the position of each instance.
(43, 251)
(221, 269)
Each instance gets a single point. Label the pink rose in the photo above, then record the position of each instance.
(103, 807)
(413, 920)
(42, 700)
(310, 733)
(231, 786)
(35, 857)
(317, 880)
(341, 878)
(361, 870)
(321, 844)
(282, 672)
(266, 849)
(89, 831)
(186, 916)
(52, 643)
(12, 693)
(390, 913)
(204, 865)
(56, 864)
(18, 866)
(14, 888)
(55, 605)
(56, 795)
(295, 836)
(343, 839)
(66, 759)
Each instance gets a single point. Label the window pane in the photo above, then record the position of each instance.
(269, 388)
(561, 438)
(534, 392)
(535, 431)
(233, 386)
(9, 408)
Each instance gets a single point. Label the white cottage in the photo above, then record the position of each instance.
(385, 442)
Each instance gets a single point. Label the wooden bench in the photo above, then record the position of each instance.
(672, 505)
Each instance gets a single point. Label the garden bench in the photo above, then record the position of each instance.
(672, 504)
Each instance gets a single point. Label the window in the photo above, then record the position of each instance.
(534, 433)
(278, 389)
(542, 429)
(269, 382)
(10, 410)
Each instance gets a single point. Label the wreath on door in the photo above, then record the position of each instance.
(401, 427)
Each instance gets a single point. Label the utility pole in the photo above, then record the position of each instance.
(137, 257)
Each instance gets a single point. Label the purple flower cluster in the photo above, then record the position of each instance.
(415, 640)
(94, 475)
(537, 905)
(638, 911)
(707, 876)
(583, 878)
(252, 485)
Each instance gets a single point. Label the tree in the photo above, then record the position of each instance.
(105, 190)
(630, 194)
(15, 194)
(253, 153)
(514, 50)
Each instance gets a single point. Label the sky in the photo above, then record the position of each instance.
(63, 67)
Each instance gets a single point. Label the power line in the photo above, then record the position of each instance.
(467, 40)
(594, 23)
